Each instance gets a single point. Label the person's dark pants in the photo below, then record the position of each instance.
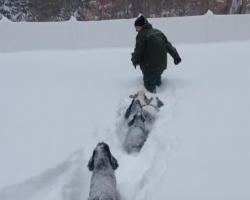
(151, 81)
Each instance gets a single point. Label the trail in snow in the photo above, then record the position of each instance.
(137, 175)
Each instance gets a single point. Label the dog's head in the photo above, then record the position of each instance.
(102, 157)
(140, 95)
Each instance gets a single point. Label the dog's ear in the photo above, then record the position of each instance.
(159, 103)
(128, 111)
(113, 162)
(91, 162)
(132, 121)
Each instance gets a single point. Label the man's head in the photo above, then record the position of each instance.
(140, 22)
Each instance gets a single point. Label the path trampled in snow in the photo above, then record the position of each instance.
(59, 104)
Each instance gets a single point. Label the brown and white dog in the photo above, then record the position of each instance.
(141, 115)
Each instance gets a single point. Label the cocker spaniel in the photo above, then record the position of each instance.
(141, 115)
(103, 181)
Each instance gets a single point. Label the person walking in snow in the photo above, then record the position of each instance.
(150, 53)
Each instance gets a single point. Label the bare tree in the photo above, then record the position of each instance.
(1, 9)
(84, 10)
(246, 7)
(11, 10)
(236, 7)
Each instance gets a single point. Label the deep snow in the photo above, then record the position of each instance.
(56, 106)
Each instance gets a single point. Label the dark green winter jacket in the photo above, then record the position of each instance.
(151, 50)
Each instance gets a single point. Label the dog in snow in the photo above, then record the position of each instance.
(137, 134)
(141, 115)
(103, 181)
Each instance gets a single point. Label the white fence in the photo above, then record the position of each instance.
(23, 36)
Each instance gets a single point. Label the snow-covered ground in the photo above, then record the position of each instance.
(56, 105)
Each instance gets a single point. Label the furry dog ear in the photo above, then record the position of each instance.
(113, 162)
(159, 103)
(130, 123)
(91, 162)
(128, 111)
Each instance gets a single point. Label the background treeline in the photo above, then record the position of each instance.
(86, 10)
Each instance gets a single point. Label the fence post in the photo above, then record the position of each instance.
(210, 17)
(238, 28)
(73, 22)
(5, 24)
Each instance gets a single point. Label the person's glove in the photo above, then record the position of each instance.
(134, 62)
(177, 60)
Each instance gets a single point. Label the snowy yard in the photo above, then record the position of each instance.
(56, 106)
